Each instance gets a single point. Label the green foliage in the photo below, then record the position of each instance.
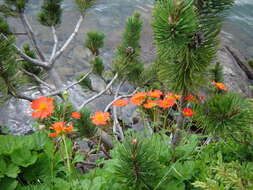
(84, 4)
(250, 62)
(19, 5)
(127, 63)
(26, 160)
(4, 27)
(228, 176)
(94, 41)
(225, 115)
(28, 66)
(137, 166)
(98, 66)
(186, 40)
(86, 83)
(51, 12)
(84, 124)
(217, 73)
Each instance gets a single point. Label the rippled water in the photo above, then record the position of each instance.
(240, 25)
(109, 17)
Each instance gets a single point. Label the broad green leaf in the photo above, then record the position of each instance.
(12, 170)
(8, 183)
(23, 157)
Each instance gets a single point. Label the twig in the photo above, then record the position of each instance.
(57, 92)
(100, 93)
(117, 130)
(55, 43)
(71, 37)
(31, 35)
(37, 78)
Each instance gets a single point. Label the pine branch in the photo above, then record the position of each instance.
(27, 58)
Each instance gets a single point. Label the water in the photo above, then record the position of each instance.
(239, 25)
(109, 17)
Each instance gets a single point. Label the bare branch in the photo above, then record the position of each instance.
(71, 37)
(31, 35)
(100, 93)
(37, 78)
(55, 43)
(117, 130)
(120, 97)
(57, 92)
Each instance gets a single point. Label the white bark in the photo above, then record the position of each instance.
(100, 93)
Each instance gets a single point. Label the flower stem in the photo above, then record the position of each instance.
(67, 154)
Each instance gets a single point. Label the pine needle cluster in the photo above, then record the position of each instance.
(51, 12)
(127, 62)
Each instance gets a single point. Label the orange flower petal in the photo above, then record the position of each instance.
(120, 102)
(155, 94)
(138, 98)
(166, 102)
(220, 85)
(76, 115)
(150, 104)
(53, 134)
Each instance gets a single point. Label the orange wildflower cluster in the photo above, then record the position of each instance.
(60, 128)
(100, 118)
(120, 102)
(76, 115)
(43, 107)
(220, 85)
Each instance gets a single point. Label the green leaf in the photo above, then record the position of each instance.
(12, 170)
(8, 183)
(23, 157)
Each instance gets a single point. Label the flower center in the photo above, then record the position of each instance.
(43, 106)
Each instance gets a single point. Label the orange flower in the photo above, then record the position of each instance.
(60, 127)
(120, 103)
(43, 107)
(220, 85)
(138, 98)
(150, 104)
(100, 118)
(76, 115)
(187, 112)
(154, 94)
(166, 102)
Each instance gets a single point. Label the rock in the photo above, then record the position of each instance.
(235, 77)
